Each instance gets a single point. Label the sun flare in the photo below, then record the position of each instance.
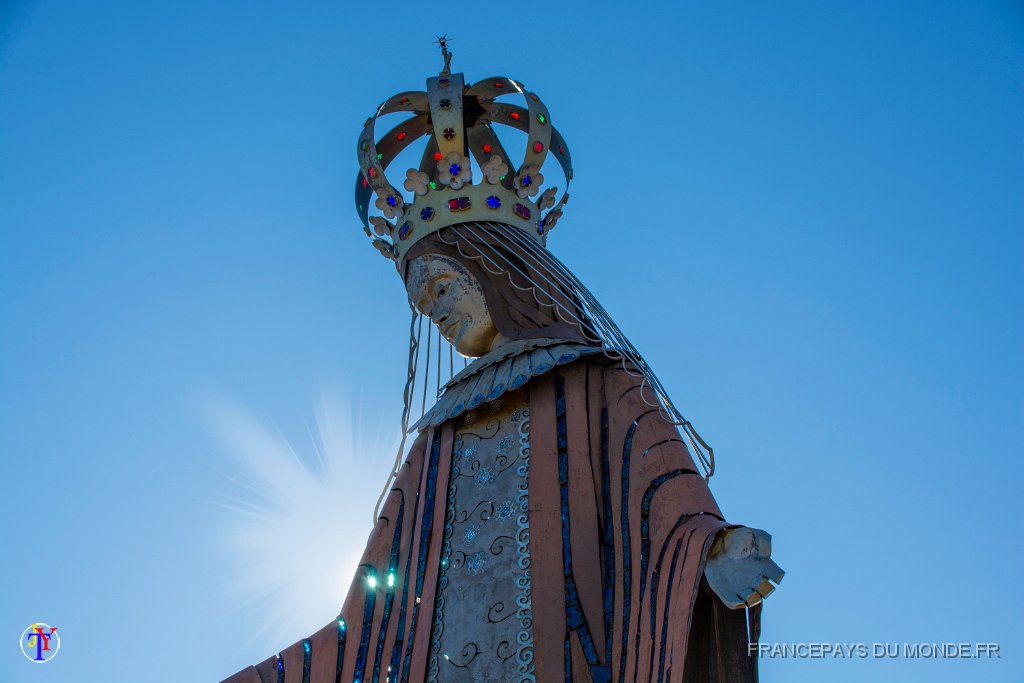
(295, 525)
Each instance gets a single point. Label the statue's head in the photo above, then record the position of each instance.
(482, 290)
(445, 291)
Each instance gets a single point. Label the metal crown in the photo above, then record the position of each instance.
(458, 123)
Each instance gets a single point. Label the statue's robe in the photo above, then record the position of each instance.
(620, 524)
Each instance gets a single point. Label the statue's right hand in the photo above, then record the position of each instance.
(740, 569)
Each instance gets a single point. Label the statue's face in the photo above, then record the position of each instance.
(443, 290)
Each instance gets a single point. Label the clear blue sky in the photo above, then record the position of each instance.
(807, 215)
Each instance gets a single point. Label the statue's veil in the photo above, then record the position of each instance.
(527, 276)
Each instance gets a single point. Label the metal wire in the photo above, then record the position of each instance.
(596, 323)
(553, 303)
(426, 374)
(410, 387)
(623, 346)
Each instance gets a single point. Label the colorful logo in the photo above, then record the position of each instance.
(40, 642)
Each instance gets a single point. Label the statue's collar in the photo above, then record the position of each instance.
(505, 368)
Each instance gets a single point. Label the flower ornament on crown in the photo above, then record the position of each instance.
(458, 123)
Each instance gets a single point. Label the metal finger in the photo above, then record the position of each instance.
(753, 599)
(765, 588)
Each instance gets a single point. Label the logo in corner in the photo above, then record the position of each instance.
(40, 642)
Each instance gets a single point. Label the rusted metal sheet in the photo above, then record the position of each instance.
(324, 659)
(545, 533)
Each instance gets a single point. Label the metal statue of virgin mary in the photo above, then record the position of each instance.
(549, 521)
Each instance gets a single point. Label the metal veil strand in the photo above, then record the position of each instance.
(581, 309)
(421, 369)
(586, 312)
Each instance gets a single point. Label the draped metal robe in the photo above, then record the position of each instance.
(620, 525)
